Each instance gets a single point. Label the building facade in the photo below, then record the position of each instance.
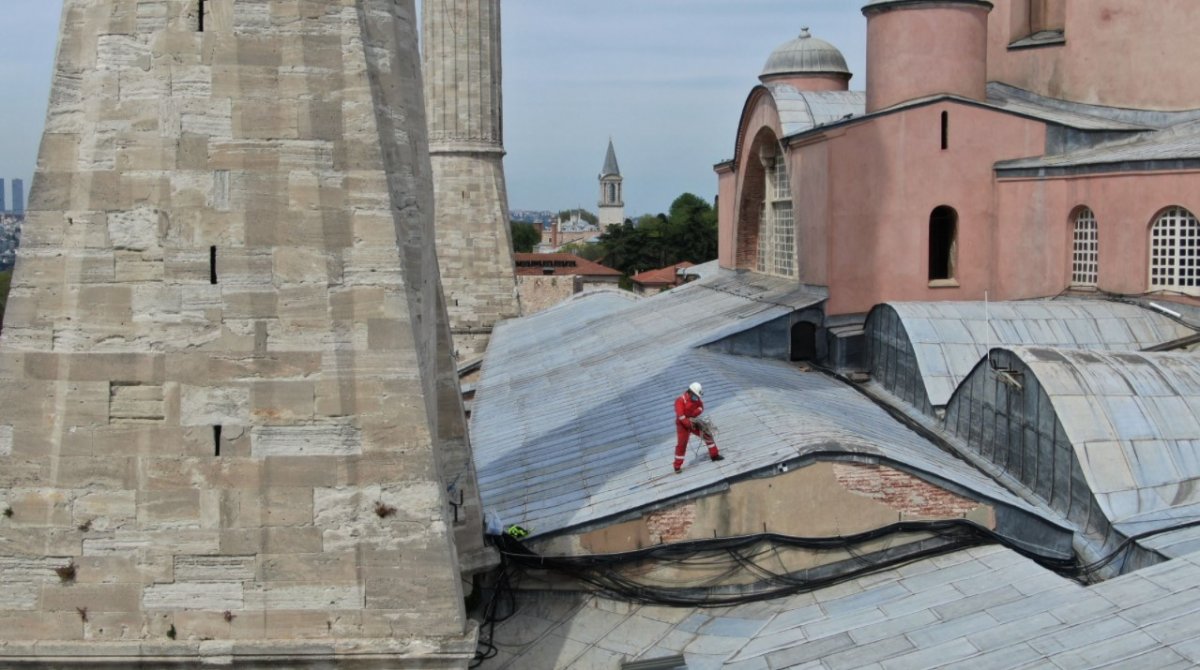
(18, 196)
(1026, 159)
(546, 279)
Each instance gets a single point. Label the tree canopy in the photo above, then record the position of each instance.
(566, 215)
(687, 233)
(525, 236)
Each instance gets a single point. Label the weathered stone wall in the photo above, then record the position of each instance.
(463, 95)
(220, 372)
(821, 499)
(542, 292)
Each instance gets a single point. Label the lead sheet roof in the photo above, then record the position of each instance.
(573, 418)
(949, 338)
(1132, 421)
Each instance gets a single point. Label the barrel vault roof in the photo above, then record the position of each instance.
(1132, 419)
(950, 338)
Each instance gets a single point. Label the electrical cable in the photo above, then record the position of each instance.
(746, 554)
(504, 590)
(602, 571)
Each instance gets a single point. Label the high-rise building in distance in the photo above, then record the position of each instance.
(18, 192)
(3, 207)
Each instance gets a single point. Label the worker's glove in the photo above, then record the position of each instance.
(686, 423)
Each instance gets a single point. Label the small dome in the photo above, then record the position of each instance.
(805, 55)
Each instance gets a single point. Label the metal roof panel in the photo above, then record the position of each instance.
(585, 431)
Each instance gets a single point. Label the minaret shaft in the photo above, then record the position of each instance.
(464, 102)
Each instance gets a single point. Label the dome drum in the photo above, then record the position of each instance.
(808, 62)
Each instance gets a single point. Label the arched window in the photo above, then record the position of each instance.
(777, 235)
(943, 247)
(1175, 252)
(1085, 249)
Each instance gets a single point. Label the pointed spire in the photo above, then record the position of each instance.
(610, 162)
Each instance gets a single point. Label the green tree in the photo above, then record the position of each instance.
(566, 215)
(692, 225)
(525, 236)
(591, 252)
(688, 233)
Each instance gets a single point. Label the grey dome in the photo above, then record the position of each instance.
(805, 55)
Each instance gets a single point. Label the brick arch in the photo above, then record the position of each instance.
(753, 195)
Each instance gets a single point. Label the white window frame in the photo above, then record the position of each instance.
(1085, 250)
(1175, 252)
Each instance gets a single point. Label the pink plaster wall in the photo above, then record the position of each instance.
(885, 178)
(726, 196)
(812, 82)
(925, 50)
(1121, 53)
(809, 175)
(1036, 226)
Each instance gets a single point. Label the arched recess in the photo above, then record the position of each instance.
(943, 243)
(753, 196)
(1175, 251)
(1085, 248)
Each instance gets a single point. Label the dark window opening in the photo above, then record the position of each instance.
(212, 265)
(804, 342)
(945, 130)
(943, 228)
(200, 22)
(217, 440)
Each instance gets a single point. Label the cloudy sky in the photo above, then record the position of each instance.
(665, 79)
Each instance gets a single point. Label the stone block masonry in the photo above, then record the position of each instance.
(227, 404)
(463, 95)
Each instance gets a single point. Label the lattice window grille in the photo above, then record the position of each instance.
(783, 185)
(764, 241)
(1175, 252)
(1085, 258)
(785, 238)
(777, 233)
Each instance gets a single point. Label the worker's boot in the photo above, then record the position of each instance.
(717, 457)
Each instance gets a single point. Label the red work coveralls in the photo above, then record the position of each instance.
(688, 407)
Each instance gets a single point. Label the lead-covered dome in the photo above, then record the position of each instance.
(805, 55)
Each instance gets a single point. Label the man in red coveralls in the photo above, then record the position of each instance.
(687, 407)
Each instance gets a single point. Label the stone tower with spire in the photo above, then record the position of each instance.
(223, 406)
(461, 41)
(612, 199)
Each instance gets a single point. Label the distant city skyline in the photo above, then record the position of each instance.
(18, 196)
(16, 204)
(666, 79)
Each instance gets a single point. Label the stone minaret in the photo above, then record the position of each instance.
(463, 98)
(222, 404)
(612, 197)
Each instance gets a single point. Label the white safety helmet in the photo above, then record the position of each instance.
(697, 389)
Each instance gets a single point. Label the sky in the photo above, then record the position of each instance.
(665, 79)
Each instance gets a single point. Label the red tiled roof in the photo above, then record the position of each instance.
(667, 276)
(561, 264)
